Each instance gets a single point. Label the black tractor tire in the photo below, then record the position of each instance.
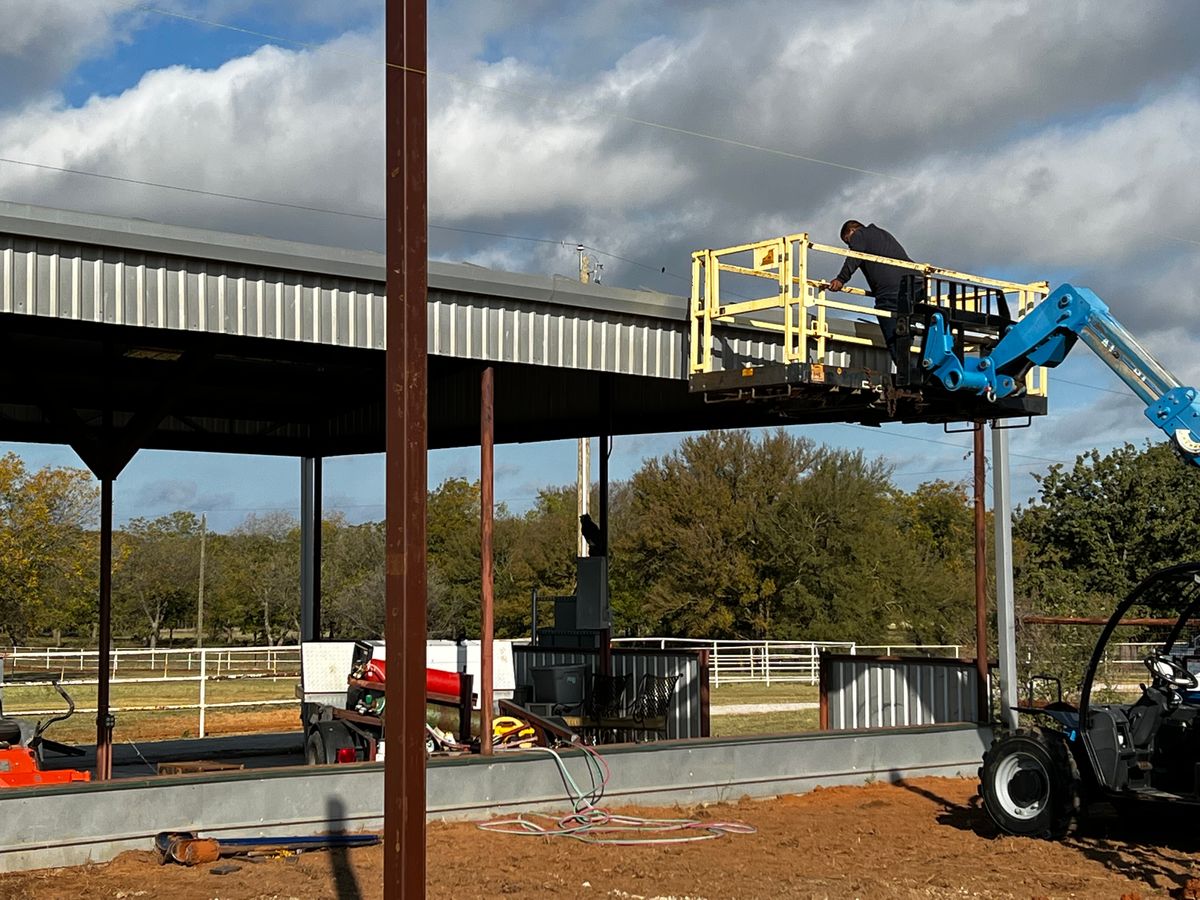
(1029, 783)
(324, 741)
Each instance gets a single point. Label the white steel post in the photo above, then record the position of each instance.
(1005, 606)
(203, 684)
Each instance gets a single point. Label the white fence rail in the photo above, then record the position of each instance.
(783, 662)
(199, 666)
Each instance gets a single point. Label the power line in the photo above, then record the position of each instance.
(321, 209)
(913, 437)
(191, 190)
(541, 98)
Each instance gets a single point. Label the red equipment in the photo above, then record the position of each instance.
(19, 768)
(21, 747)
(437, 681)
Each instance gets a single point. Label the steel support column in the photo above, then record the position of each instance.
(104, 642)
(487, 498)
(407, 440)
(605, 447)
(981, 633)
(310, 548)
(1005, 607)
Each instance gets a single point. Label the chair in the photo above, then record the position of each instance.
(648, 712)
(605, 701)
(653, 700)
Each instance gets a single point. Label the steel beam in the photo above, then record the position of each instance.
(310, 548)
(103, 660)
(981, 632)
(487, 496)
(407, 439)
(1005, 607)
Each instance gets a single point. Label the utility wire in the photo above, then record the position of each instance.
(913, 437)
(662, 270)
(542, 98)
(190, 190)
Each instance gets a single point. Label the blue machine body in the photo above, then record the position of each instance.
(1044, 338)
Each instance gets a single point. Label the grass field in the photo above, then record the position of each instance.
(158, 723)
(741, 725)
(161, 724)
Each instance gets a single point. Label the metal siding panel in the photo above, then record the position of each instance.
(152, 289)
(308, 313)
(127, 300)
(293, 296)
(378, 316)
(26, 286)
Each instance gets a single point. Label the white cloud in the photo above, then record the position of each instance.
(1029, 139)
(43, 43)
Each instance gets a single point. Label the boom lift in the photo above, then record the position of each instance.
(1036, 780)
(1044, 338)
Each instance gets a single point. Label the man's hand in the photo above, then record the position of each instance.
(835, 285)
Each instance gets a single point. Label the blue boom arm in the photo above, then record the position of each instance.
(1045, 337)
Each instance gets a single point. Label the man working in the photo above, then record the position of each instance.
(884, 280)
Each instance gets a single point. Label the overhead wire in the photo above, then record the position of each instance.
(542, 98)
(564, 242)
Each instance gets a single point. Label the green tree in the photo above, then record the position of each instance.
(352, 578)
(155, 574)
(47, 554)
(261, 581)
(1100, 527)
(452, 517)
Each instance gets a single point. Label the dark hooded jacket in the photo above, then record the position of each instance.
(884, 280)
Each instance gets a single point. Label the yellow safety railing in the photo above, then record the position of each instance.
(803, 304)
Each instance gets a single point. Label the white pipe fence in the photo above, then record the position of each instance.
(216, 664)
(767, 662)
(750, 662)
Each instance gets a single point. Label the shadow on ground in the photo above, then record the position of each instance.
(1155, 844)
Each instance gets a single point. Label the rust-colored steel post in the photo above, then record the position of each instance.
(405, 466)
(487, 495)
(605, 446)
(981, 634)
(103, 659)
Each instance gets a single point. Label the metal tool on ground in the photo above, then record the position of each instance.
(190, 849)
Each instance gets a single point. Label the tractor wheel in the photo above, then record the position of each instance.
(1030, 783)
(314, 749)
(324, 741)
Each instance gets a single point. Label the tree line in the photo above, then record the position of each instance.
(729, 535)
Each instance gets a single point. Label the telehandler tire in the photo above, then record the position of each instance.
(1030, 784)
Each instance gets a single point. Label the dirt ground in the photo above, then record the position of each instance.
(922, 839)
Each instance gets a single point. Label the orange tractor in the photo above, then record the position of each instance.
(21, 746)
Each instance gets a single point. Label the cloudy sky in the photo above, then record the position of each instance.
(1018, 139)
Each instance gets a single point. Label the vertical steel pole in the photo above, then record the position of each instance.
(200, 590)
(103, 732)
(487, 494)
(605, 438)
(1006, 636)
(407, 440)
(310, 548)
(981, 635)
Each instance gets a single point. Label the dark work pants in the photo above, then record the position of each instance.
(888, 325)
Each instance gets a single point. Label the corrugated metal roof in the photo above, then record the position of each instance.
(90, 268)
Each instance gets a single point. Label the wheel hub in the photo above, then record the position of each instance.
(1027, 787)
(1022, 785)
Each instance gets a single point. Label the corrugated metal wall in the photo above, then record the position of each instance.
(83, 282)
(871, 692)
(685, 716)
